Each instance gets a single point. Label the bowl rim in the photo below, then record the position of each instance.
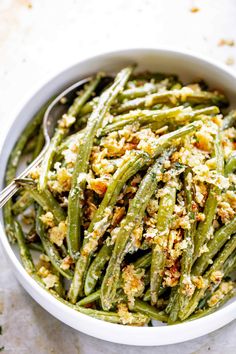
(160, 335)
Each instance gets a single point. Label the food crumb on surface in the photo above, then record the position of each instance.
(194, 9)
(228, 42)
(230, 61)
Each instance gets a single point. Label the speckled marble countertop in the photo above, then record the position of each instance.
(40, 37)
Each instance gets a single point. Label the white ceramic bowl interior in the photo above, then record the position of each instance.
(188, 67)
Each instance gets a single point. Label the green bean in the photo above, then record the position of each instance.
(229, 120)
(209, 310)
(208, 293)
(102, 217)
(90, 298)
(147, 295)
(12, 164)
(134, 215)
(25, 200)
(228, 267)
(25, 254)
(18, 148)
(182, 95)
(39, 144)
(46, 200)
(187, 253)
(131, 164)
(138, 306)
(24, 250)
(176, 86)
(164, 217)
(88, 90)
(59, 288)
(150, 311)
(73, 139)
(137, 319)
(161, 117)
(157, 117)
(144, 261)
(204, 228)
(30, 146)
(141, 91)
(157, 77)
(217, 265)
(48, 158)
(36, 246)
(172, 299)
(230, 166)
(88, 107)
(22, 203)
(169, 139)
(82, 163)
(96, 268)
(193, 113)
(50, 250)
(213, 246)
(62, 131)
(145, 89)
(230, 264)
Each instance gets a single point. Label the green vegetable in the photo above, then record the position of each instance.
(81, 166)
(127, 227)
(132, 220)
(164, 216)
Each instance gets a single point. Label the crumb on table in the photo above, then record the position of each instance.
(194, 9)
(230, 61)
(229, 42)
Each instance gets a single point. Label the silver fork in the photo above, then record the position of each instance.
(55, 110)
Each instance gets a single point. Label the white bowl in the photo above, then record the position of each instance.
(188, 67)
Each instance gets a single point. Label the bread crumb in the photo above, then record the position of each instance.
(228, 42)
(58, 233)
(229, 61)
(47, 219)
(194, 9)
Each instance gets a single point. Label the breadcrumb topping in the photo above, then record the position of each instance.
(224, 289)
(133, 282)
(57, 233)
(48, 219)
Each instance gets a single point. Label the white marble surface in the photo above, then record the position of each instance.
(37, 41)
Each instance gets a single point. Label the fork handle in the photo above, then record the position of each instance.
(8, 192)
(13, 187)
